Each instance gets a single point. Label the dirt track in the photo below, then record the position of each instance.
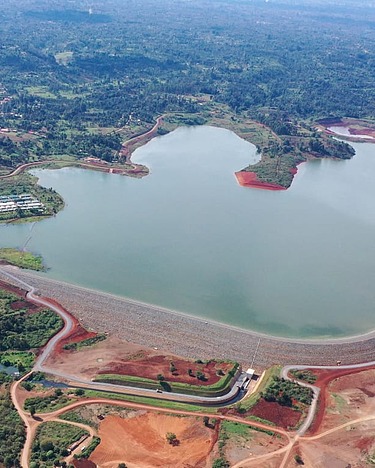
(188, 336)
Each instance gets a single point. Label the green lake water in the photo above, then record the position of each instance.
(299, 262)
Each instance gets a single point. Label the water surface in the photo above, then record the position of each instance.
(299, 262)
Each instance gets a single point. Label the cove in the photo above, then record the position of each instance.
(299, 263)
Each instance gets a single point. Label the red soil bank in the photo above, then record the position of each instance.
(280, 415)
(83, 464)
(150, 367)
(250, 179)
(77, 334)
(10, 288)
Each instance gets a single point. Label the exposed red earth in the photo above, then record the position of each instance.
(150, 366)
(129, 146)
(77, 334)
(250, 179)
(83, 464)
(13, 289)
(282, 416)
(146, 445)
(356, 128)
(324, 378)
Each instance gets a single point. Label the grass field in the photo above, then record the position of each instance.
(22, 259)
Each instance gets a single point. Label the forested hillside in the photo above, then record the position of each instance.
(79, 81)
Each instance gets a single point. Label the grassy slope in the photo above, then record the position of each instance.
(22, 259)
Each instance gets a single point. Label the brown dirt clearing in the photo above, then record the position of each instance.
(238, 448)
(146, 445)
(344, 395)
(347, 447)
(90, 360)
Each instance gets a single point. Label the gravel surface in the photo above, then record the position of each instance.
(188, 336)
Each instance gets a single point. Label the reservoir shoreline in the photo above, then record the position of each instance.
(224, 295)
(194, 337)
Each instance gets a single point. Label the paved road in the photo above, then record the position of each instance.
(316, 390)
(68, 325)
(149, 325)
(40, 364)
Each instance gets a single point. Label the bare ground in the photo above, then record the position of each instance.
(146, 445)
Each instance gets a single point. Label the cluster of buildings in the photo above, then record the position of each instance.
(11, 203)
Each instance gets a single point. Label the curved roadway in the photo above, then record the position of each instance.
(74, 381)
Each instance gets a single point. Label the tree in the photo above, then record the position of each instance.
(220, 463)
(32, 411)
(79, 392)
(160, 377)
(201, 376)
(122, 465)
(206, 420)
(171, 437)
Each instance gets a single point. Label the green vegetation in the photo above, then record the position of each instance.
(219, 388)
(287, 393)
(150, 401)
(267, 379)
(82, 344)
(229, 429)
(12, 431)
(23, 360)
(46, 404)
(304, 375)
(74, 416)
(19, 331)
(171, 438)
(232, 429)
(27, 183)
(86, 83)
(22, 331)
(340, 402)
(220, 463)
(89, 449)
(52, 442)
(22, 259)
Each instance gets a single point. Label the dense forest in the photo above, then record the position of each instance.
(79, 81)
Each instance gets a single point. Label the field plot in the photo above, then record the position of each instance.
(146, 444)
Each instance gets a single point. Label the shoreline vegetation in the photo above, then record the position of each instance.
(280, 154)
(21, 259)
(90, 96)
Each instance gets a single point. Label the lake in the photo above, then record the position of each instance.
(298, 263)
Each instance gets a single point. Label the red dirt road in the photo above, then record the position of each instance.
(324, 379)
